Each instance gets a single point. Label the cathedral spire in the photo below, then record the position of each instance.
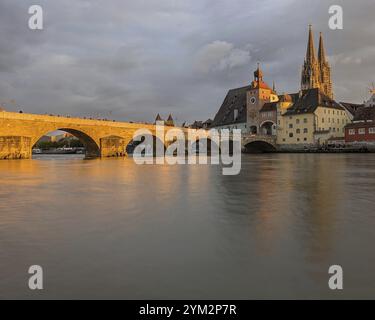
(321, 50)
(310, 52)
(325, 70)
(310, 77)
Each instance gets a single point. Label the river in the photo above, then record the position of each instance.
(114, 229)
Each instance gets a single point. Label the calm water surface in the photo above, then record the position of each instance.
(113, 229)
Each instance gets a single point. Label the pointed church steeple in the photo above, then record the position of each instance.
(310, 52)
(325, 70)
(321, 50)
(310, 76)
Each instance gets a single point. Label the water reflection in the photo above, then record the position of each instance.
(110, 228)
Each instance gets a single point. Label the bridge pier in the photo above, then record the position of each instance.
(113, 147)
(15, 147)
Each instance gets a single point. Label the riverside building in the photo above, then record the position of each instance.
(308, 118)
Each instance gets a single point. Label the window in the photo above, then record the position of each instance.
(305, 130)
(235, 114)
(304, 139)
(305, 120)
(297, 139)
(290, 125)
(334, 129)
(362, 131)
(371, 130)
(291, 135)
(298, 131)
(322, 120)
(297, 121)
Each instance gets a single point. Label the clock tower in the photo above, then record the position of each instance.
(258, 94)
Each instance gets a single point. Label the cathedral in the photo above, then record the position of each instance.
(308, 117)
(316, 72)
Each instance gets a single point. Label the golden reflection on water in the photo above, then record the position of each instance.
(289, 211)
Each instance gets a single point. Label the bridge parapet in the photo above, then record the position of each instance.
(20, 131)
(248, 138)
(258, 143)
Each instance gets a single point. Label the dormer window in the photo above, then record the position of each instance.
(235, 114)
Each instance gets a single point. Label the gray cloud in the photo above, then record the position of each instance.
(132, 59)
(220, 56)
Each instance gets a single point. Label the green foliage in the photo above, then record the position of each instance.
(67, 142)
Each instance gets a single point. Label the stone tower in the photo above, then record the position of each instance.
(310, 77)
(325, 70)
(258, 94)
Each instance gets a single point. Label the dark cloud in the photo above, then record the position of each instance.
(132, 59)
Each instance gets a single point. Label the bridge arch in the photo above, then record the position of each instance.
(268, 128)
(259, 146)
(205, 143)
(149, 149)
(91, 146)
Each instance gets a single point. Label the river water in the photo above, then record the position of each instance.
(114, 229)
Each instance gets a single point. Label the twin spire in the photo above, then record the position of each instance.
(321, 50)
(316, 72)
(310, 53)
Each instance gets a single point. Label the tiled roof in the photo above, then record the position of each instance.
(235, 99)
(310, 100)
(360, 125)
(351, 107)
(364, 114)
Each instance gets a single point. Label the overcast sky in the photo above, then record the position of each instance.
(130, 60)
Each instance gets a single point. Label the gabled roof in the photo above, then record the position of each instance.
(365, 114)
(351, 107)
(309, 100)
(235, 99)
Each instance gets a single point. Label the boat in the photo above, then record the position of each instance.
(60, 151)
(37, 151)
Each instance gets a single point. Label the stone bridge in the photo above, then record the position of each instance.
(19, 132)
(258, 143)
